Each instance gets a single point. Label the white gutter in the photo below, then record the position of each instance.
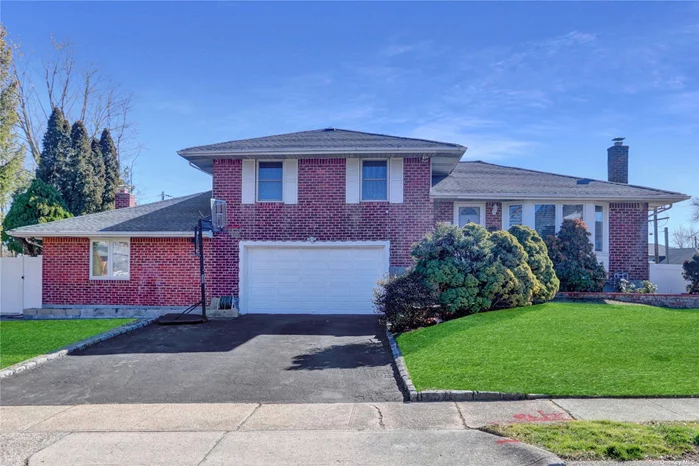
(107, 234)
(568, 197)
(334, 151)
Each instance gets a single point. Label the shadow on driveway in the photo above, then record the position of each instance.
(255, 358)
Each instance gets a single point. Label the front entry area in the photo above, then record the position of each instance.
(310, 277)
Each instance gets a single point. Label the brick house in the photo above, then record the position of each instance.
(315, 217)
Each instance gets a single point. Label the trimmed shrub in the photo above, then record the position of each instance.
(547, 283)
(645, 286)
(458, 262)
(405, 302)
(574, 260)
(510, 261)
(690, 272)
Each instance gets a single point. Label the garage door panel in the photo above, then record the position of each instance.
(317, 279)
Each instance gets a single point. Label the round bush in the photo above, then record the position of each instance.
(540, 263)
(405, 302)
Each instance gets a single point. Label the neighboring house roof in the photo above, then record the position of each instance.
(175, 217)
(678, 255)
(481, 180)
(326, 142)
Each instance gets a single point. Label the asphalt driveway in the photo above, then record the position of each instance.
(255, 358)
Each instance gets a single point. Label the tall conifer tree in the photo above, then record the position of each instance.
(98, 168)
(53, 163)
(85, 195)
(112, 178)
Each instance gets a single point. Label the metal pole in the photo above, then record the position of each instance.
(201, 270)
(655, 234)
(667, 246)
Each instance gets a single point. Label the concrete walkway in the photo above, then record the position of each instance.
(343, 433)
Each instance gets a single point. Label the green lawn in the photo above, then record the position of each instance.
(604, 440)
(560, 348)
(20, 340)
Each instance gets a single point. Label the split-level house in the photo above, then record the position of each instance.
(315, 218)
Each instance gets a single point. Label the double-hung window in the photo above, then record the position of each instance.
(269, 181)
(514, 212)
(374, 180)
(572, 211)
(545, 219)
(110, 259)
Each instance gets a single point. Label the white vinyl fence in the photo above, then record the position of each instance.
(668, 277)
(20, 284)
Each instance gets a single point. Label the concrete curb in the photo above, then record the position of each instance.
(402, 368)
(469, 395)
(73, 347)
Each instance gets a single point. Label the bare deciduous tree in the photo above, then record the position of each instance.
(695, 209)
(685, 237)
(82, 92)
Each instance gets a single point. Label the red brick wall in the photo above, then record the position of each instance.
(444, 211)
(493, 221)
(321, 213)
(628, 239)
(164, 272)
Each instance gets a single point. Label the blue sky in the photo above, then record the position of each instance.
(537, 85)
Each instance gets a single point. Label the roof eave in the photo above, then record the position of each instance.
(543, 196)
(105, 234)
(186, 153)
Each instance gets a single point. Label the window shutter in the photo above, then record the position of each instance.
(291, 181)
(395, 183)
(352, 181)
(248, 183)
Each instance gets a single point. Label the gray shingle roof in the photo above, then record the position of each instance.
(176, 217)
(323, 140)
(481, 180)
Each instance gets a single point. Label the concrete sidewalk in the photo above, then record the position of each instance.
(344, 433)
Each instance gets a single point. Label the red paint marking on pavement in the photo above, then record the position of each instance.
(542, 417)
(507, 440)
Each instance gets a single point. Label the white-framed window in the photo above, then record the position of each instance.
(374, 180)
(514, 214)
(270, 181)
(545, 219)
(110, 259)
(469, 213)
(599, 228)
(572, 212)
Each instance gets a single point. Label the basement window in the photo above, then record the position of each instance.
(110, 259)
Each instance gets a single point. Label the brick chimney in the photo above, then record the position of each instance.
(123, 198)
(618, 162)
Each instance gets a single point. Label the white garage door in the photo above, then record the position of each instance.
(316, 278)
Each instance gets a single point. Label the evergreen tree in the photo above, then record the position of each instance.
(546, 285)
(12, 172)
(574, 259)
(98, 167)
(40, 203)
(85, 195)
(112, 178)
(53, 163)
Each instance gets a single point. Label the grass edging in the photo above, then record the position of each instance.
(73, 347)
(447, 395)
(580, 440)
